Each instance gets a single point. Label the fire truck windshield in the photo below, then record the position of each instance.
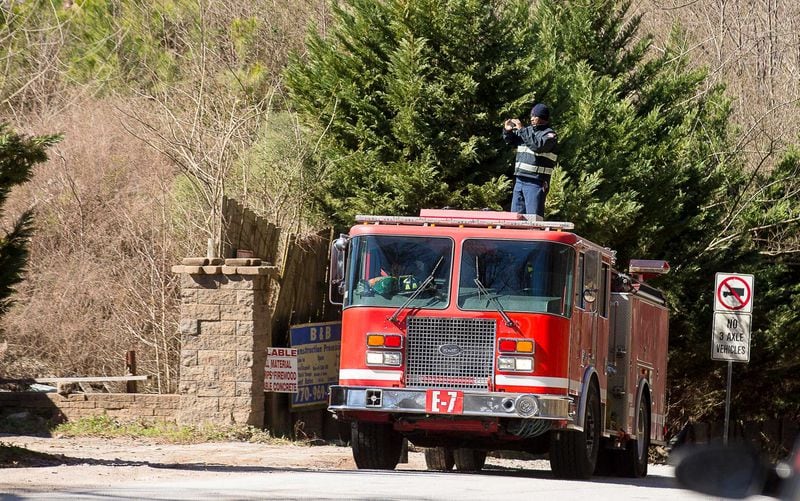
(390, 271)
(524, 276)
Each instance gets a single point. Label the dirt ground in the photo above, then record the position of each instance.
(110, 461)
(128, 460)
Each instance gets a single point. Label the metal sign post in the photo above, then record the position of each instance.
(730, 337)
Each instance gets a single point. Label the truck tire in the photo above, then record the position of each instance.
(439, 458)
(632, 462)
(376, 446)
(607, 461)
(469, 459)
(573, 454)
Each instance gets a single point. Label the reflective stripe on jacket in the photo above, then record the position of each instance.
(536, 151)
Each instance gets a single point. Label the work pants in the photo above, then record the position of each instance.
(528, 196)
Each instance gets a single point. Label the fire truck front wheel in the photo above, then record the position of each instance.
(376, 446)
(469, 459)
(573, 454)
(439, 458)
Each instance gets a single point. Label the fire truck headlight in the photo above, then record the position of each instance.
(524, 364)
(520, 364)
(374, 358)
(391, 358)
(506, 364)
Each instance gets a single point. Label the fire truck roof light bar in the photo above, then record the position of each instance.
(470, 222)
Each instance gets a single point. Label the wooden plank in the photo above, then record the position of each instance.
(65, 380)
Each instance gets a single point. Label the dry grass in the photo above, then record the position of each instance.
(750, 46)
(98, 281)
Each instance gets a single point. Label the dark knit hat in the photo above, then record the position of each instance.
(540, 110)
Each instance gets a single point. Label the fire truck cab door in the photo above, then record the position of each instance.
(584, 326)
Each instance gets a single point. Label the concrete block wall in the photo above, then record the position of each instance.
(224, 326)
(124, 406)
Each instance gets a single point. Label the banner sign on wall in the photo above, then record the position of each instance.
(280, 372)
(318, 346)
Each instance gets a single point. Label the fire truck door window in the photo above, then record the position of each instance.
(525, 276)
(580, 278)
(387, 270)
(602, 295)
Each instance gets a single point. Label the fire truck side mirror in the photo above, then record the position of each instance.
(336, 283)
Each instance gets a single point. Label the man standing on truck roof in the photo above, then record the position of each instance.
(537, 146)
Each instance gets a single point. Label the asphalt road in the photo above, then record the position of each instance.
(119, 469)
(368, 485)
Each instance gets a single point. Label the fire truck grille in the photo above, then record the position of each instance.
(450, 352)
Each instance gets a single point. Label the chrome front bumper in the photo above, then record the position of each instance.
(412, 401)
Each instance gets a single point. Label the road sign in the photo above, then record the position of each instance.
(730, 339)
(733, 293)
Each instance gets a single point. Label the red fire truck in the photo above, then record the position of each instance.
(473, 331)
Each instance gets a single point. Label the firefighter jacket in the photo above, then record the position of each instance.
(537, 148)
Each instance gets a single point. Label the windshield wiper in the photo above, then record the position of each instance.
(417, 292)
(484, 290)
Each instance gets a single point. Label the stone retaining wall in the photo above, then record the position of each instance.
(224, 329)
(125, 406)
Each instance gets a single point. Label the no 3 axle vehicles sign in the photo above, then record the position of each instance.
(731, 337)
(733, 304)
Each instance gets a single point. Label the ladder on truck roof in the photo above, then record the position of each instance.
(469, 218)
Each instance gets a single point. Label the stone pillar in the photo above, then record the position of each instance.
(224, 328)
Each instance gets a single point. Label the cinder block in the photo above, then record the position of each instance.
(191, 374)
(246, 343)
(216, 357)
(244, 328)
(220, 328)
(198, 405)
(188, 296)
(201, 281)
(235, 312)
(212, 343)
(235, 403)
(187, 388)
(188, 358)
(244, 358)
(246, 298)
(245, 389)
(200, 311)
(189, 326)
(216, 296)
(115, 397)
(239, 282)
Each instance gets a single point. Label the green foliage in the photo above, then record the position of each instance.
(279, 176)
(409, 97)
(108, 427)
(129, 46)
(18, 155)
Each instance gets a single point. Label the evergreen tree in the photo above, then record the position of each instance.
(409, 98)
(18, 154)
